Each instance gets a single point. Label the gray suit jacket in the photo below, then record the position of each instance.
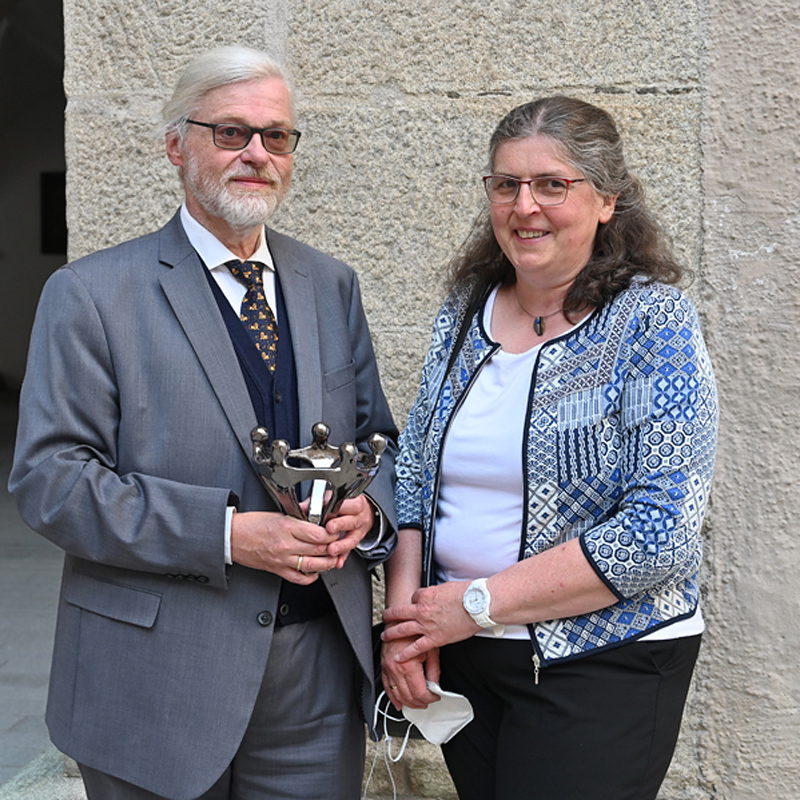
(133, 439)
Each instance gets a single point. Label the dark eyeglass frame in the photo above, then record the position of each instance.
(518, 182)
(294, 136)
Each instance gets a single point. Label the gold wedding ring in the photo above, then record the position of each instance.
(299, 566)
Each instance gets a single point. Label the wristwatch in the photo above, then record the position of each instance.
(477, 601)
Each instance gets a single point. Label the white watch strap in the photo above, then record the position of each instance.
(482, 618)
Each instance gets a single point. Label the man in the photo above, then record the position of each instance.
(207, 645)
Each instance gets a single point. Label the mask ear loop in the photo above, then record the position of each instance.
(386, 744)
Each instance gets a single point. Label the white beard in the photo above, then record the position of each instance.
(241, 210)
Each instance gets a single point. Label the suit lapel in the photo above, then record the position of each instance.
(189, 294)
(298, 289)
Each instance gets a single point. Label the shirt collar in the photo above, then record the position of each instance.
(211, 250)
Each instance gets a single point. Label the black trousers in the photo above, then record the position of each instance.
(602, 727)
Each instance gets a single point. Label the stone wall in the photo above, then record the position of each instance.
(749, 720)
(396, 103)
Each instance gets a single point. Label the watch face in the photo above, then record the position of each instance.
(474, 601)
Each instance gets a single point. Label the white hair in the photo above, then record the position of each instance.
(214, 68)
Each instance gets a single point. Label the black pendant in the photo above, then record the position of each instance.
(538, 325)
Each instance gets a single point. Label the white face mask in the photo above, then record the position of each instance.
(438, 723)
(441, 721)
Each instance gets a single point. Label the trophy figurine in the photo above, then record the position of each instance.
(336, 473)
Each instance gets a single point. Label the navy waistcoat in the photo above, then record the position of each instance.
(275, 403)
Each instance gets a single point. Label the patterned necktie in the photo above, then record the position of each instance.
(256, 314)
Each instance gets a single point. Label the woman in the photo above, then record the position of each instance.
(553, 478)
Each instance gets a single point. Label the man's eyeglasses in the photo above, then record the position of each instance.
(235, 136)
(548, 190)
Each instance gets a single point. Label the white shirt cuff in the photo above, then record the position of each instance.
(229, 512)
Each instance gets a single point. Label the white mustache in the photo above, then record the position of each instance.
(263, 175)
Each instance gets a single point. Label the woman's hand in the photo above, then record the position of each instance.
(435, 617)
(405, 680)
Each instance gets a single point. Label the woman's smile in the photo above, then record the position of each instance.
(547, 245)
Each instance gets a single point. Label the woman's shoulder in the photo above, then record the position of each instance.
(646, 309)
(454, 307)
(647, 298)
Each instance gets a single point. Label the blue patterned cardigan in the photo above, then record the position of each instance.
(618, 450)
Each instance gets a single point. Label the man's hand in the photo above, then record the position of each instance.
(405, 681)
(291, 548)
(354, 521)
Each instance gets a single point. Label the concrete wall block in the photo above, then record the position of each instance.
(146, 44)
(430, 46)
(120, 183)
(751, 217)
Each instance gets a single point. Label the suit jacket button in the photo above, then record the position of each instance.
(284, 609)
(278, 396)
(265, 619)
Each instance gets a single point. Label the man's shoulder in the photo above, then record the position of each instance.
(137, 252)
(118, 252)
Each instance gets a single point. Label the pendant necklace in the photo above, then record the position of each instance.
(538, 319)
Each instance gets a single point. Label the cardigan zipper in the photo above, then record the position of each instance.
(535, 658)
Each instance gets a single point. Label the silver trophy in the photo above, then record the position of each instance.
(336, 473)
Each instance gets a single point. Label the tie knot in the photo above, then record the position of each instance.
(246, 272)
